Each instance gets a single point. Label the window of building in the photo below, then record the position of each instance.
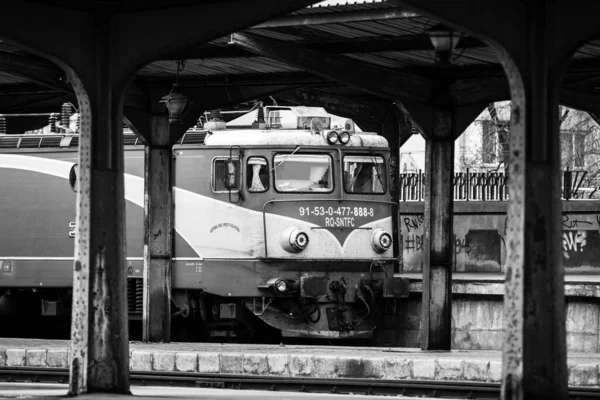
(495, 141)
(488, 142)
(226, 175)
(578, 149)
(364, 174)
(573, 148)
(257, 174)
(303, 173)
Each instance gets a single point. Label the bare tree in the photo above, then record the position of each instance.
(580, 145)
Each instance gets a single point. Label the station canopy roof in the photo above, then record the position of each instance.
(377, 40)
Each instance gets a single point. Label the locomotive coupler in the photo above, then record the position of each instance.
(337, 315)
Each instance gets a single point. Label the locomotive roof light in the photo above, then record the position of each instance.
(381, 241)
(344, 137)
(294, 240)
(349, 125)
(332, 137)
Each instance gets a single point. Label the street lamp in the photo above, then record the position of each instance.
(176, 102)
(444, 41)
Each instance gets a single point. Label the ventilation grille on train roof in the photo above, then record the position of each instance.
(192, 138)
(131, 140)
(7, 142)
(67, 141)
(29, 142)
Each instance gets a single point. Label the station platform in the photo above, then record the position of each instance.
(300, 361)
(52, 392)
(486, 283)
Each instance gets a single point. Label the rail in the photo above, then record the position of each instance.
(462, 389)
(488, 186)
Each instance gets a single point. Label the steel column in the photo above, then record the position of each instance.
(438, 231)
(158, 227)
(99, 359)
(534, 358)
(160, 136)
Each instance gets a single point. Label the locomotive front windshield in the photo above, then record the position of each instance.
(364, 174)
(303, 173)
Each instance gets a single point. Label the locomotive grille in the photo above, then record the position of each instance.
(129, 140)
(192, 138)
(52, 141)
(8, 142)
(135, 300)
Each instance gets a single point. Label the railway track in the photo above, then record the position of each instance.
(468, 390)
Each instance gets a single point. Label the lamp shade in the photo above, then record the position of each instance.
(443, 39)
(175, 103)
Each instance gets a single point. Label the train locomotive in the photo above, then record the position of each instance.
(285, 227)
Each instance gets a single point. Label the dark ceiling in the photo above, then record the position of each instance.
(119, 6)
(371, 42)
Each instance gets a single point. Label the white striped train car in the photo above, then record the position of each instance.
(290, 224)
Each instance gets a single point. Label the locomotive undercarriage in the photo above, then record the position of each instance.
(301, 304)
(333, 304)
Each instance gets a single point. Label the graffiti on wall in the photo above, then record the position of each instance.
(479, 242)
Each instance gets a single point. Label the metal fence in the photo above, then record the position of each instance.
(484, 186)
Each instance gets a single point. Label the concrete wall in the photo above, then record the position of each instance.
(480, 231)
(477, 324)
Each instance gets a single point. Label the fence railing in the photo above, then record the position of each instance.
(486, 186)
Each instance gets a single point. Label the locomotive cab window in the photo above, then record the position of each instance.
(364, 174)
(257, 174)
(303, 173)
(226, 174)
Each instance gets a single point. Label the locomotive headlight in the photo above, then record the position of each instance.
(381, 240)
(280, 286)
(293, 240)
(301, 240)
(332, 137)
(344, 137)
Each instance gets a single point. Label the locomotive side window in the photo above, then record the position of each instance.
(303, 173)
(257, 174)
(226, 175)
(364, 174)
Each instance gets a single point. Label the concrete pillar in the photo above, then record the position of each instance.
(438, 233)
(158, 228)
(99, 358)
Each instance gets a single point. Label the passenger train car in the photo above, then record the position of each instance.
(289, 223)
